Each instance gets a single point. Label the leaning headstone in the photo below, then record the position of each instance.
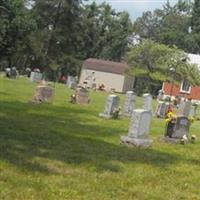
(177, 130)
(112, 103)
(161, 109)
(184, 109)
(35, 76)
(147, 101)
(43, 93)
(129, 103)
(139, 128)
(71, 82)
(82, 96)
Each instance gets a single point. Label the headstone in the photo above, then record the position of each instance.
(147, 101)
(161, 109)
(129, 103)
(43, 94)
(112, 103)
(178, 129)
(72, 82)
(36, 76)
(193, 111)
(160, 95)
(139, 128)
(184, 109)
(82, 96)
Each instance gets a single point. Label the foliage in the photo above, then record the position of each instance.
(154, 60)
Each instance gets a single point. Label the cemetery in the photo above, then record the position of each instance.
(69, 149)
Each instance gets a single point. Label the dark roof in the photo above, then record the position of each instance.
(105, 66)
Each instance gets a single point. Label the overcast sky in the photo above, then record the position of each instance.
(135, 7)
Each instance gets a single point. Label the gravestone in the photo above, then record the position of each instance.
(160, 95)
(147, 98)
(129, 103)
(112, 103)
(71, 82)
(175, 131)
(139, 128)
(161, 109)
(193, 111)
(43, 93)
(36, 76)
(82, 96)
(184, 109)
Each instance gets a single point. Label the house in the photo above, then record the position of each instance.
(184, 90)
(96, 72)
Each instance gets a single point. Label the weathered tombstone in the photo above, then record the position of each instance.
(71, 82)
(177, 130)
(43, 93)
(160, 95)
(147, 101)
(82, 96)
(193, 110)
(184, 109)
(139, 128)
(112, 103)
(161, 109)
(36, 76)
(129, 103)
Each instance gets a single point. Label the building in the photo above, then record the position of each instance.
(96, 72)
(184, 90)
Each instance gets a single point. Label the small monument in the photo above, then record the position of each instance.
(35, 76)
(129, 103)
(112, 103)
(177, 129)
(161, 109)
(138, 134)
(71, 82)
(82, 96)
(147, 101)
(43, 93)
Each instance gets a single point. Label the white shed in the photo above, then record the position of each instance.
(110, 74)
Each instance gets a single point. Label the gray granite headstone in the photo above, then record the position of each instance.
(129, 104)
(138, 134)
(147, 101)
(161, 109)
(36, 76)
(112, 103)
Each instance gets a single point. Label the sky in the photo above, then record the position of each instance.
(135, 7)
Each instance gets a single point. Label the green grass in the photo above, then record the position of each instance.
(65, 151)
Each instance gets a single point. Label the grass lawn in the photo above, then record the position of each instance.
(64, 151)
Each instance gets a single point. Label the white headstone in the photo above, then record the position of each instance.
(147, 101)
(112, 103)
(139, 128)
(129, 103)
(36, 76)
(161, 109)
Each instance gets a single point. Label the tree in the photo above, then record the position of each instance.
(154, 60)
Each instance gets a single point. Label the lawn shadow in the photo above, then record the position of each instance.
(59, 134)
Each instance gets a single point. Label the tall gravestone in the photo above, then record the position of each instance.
(161, 109)
(147, 101)
(129, 103)
(138, 134)
(112, 103)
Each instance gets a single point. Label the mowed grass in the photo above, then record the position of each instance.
(65, 151)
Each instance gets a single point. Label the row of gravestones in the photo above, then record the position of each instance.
(138, 134)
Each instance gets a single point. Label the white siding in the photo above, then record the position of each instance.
(110, 80)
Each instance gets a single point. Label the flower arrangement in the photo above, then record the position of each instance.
(116, 113)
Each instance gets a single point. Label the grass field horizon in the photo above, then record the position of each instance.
(65, 151)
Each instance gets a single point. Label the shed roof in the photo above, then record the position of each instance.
(105, 66)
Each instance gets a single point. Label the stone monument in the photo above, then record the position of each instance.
(82, 96)
(139, 128)
(71, 82)
(43, 93)
(35, 76)
(184, 108)
(129, 103)
(161, 109)
(112, 103)
(147, 101)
